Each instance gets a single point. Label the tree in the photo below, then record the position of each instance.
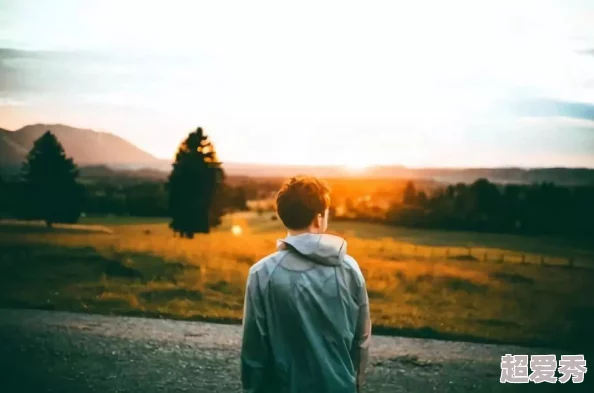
(235, 198)
(52, 192)
(147, 199)
(422, 198)
(486, 198)
(194, 184)
(410, 194)
(3, 196)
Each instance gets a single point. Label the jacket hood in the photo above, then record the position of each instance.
(325, 249)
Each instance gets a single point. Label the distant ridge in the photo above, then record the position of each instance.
(560, 176)
(86, 147)
(102, 154)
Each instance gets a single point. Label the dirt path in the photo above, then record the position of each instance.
(43, 351)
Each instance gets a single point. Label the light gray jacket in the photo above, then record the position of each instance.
(306, 325)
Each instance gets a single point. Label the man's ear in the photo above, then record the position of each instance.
(318, 220)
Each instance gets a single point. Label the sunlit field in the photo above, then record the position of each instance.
(421, 283)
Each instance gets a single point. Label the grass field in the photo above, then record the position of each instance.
(137, 267)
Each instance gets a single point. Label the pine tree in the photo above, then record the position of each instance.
(194, 184)
(422, 199)
(410, 194)
(52, 192)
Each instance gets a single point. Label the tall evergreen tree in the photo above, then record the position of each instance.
(422, 199)
(52, 192)
(194, 184)
(410, 194)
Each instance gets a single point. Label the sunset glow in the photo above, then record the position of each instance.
(236, 230)
(467, 84)
(357, 167)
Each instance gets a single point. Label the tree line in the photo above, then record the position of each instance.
(195, 196)
(484, 206)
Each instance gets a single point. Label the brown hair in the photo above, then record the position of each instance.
(300, 199)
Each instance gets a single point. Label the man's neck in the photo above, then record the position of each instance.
(291, 232)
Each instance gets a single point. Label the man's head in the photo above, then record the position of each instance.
(302, 204)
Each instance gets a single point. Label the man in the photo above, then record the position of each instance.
(306, 325)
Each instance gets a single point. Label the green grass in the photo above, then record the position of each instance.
(140, 269)
(443, 243)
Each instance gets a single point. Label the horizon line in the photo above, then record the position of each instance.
(341, 167)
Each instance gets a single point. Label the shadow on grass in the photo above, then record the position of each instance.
(459, 284)
(31, 275)
(87, 263)
(414, 284)
(37, 276)
(225, 288)
(512, 278)
(463, 257)
(166, 295)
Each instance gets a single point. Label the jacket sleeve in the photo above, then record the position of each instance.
(360, 347)
(254, 348)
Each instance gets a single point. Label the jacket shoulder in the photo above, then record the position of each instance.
(268, 263)
(351, 265)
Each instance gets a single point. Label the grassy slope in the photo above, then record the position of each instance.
(141, 269)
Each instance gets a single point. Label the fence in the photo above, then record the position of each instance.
(408, 251)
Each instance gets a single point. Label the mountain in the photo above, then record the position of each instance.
(10, 151)
(102, 155)
(86, 147)
(560, 176)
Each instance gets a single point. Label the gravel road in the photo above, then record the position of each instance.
(47, 351)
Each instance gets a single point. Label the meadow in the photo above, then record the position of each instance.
(421, 283)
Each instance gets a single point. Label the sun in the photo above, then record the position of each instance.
(236, 230)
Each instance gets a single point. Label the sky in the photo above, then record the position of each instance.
(423, 83)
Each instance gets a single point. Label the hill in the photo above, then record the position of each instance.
(105, 153)
(86, 147)
(560, 176)
(104, 173)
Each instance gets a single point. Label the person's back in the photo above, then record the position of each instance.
(306, 315)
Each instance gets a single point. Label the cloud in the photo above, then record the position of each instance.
(8, 101)
(9, 53)
(557, 122)
(586, 52)
(556, 135)
(38, 72)
(86, 75)
(544, 107)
